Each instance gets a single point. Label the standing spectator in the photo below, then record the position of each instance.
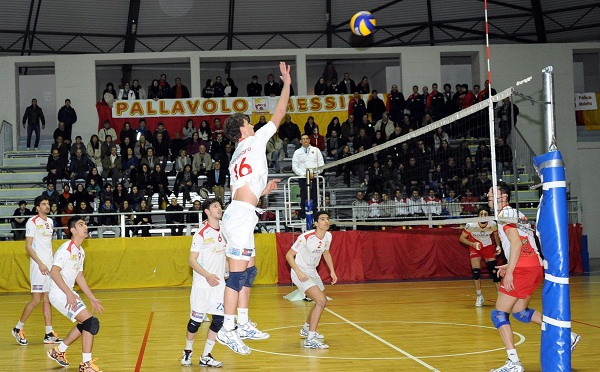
(108, 223)
(154, 91)
(349, 86)
(119, 195)
(67, 115)
(395, 104)
(349, 128)
(385, 125)
(306, 158)
(175, 217)
(345, 168)
(506, 114)
(218, 88)
(414, 105)
(126, 93)
(375, 178)
(363, 87)
(216, 180)
(208, 91)
(179, 90)
(38, 244)
(254, 88)
(138, 90)
(275, 152)
(272, 88)
(435, 103)
(321, 87)
(375, 107)
(19, 220)
(109, 95)
(289, 132)
(231, 90)
(262, 121)
(142, 130)
(335, 88)
(33, 117)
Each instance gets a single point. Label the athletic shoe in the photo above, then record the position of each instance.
(575, 338)
(52, 338)
(313, 343)
(249, 331)
(19, 336)
(89, 366)
(209, 361)
(510, 366)
(58, 357)
(307, 299)
(28, 149)
(479, 301)
(304, 333)
(232, 340)
(186, 358)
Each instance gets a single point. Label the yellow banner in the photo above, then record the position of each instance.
(591, 118)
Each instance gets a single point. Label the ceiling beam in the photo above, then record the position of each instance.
(538, 18)
(132, 25)
(430, 23)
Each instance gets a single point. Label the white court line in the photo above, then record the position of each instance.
(384, 341)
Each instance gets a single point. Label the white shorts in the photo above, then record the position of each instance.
(39, 282)
(237, 228)
(207, 301)
(58, 299)
(313, 279)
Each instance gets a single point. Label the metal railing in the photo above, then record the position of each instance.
(6, 139)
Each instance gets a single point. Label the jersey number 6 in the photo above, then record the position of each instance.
(243, 170)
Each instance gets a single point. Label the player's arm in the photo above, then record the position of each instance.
(212, 279)
(507, 270)
(58, 279)
(284, 97)
(464, 238)
(290, 255)
(498, 243)
(329, 262)
(80, 280)
(31, 252)
(271, 185)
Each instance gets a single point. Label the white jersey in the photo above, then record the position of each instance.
(309, 249)
(41, 232)
(482, 234)
(69, 257)
(249, 161)
(529, 251)
(210, 245)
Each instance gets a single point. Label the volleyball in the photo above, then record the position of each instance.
(362, 23)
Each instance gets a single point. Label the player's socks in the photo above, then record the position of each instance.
(62, 347)
(512, 355)
(478, 292)
(229, 322)
(49, 329)
(242, 315)
(306, 327)
(189, 344)
(311, 335)
(86, 357)
(208, 346)
(20, 325)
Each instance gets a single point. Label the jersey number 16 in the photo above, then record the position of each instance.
(243, 169)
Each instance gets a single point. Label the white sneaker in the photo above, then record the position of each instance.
(28, 149)
(304, 333)
(35, 149)
(186, 358)
(209, 361)
(249, 331)
(313, 343)
(575, 338)
(479, 301)
(510, 366)
(232, 340)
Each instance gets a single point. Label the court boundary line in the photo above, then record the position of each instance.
(413, 358)
(138, 365)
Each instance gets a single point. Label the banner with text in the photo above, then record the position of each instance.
(585, 101)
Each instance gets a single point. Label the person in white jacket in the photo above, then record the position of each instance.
(306, 158)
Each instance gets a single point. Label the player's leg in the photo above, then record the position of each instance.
(17, 331)
(246, 328)
(491, 264)
(476, 274)
(207, 359)
(192, 328)
(320, 300)
(50, 337)
(501, 320)
(88, 326)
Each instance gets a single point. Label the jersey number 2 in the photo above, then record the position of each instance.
(243, 169)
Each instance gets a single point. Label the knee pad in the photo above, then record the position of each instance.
(524, 315)
(491, 265)
(217, 323)
(193, 326)
(499, 318)
(476, 274)
(236, 280)
(250, 276)
(80, 327)
(91, 325)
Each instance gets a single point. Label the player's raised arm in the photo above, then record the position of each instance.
(284, 97)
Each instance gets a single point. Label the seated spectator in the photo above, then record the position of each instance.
(60, 131)
(385, 125)
(66, 214)
(415, 204)
(127, 211)
(81, 195)
(216, 129)
(56, 167)
(414, 176)
(144, 181)
(433, 204)
(127, 132)
(289, 132)
(107, 146)
(185, 182)
(188, 131)
(107, 194)
(387, 207)
(334, 144)
(78, 144)
(216, 180)
(142, 130)
(193, 218)
(469, 203)
(160, 185)
(94, 151)
(201, 162)
(374, 211)
(174, 217)
(360, 166)
(481, 186)
(360, 208)
(150, 159)
(79, 167)
(135, 197)
(19, 220)
(390, 177)
(61, 146)
(274, 152)
(401, 204)
(317, 140)
(440, 136)
(160, 128)
(86, 211)
(129, 166)
(119, 195)
(108, 223)
(436, 178)
(160, 146)
(177, 144)
(194, 146)
(106, 131)
(310, 126)
(112, 166)
(143, 219)
(483, 157)
(334, 125)
(51, 193)
(218, 145)
(181, 161)
(450, 205)
(345, 168)
(66, 197)
(503, 158)
(204, 132)
(375, 178)
(93, 191)
(141, 147)
(109, 94)
(125, 145)
(93, 174)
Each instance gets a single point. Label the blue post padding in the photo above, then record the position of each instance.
(585, 254)
(552, 226)
(309, 214)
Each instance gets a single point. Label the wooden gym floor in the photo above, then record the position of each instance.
(404, 326)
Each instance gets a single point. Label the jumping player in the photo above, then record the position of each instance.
(520, 276)
(248, 170)
(38, 244)
(478, 237)
(66, 271)
(303, 257)
(207, 259)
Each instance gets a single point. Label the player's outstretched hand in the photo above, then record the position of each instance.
(333, 278)
(271, 185)
(285, 73)
(213, 280)
(96, 306)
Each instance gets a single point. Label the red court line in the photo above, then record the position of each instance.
(587, 324)
(144, 342)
